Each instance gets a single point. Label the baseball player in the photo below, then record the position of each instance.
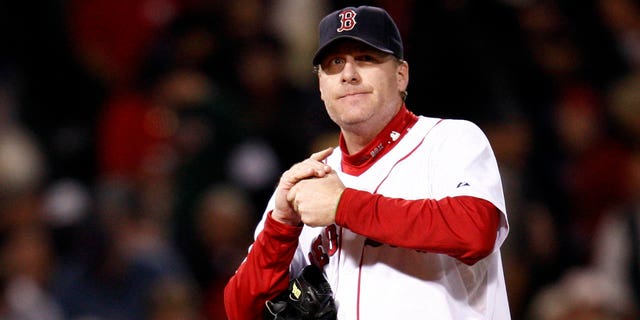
(405, 217)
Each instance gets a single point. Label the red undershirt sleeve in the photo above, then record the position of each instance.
(264, 273)
(462, 227)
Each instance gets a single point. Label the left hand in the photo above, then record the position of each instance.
(313, 166)
(316, 199)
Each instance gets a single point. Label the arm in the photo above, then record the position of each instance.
(461, 224)
(463, 227)
(264, 273)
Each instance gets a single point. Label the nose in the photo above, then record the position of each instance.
(350, 71)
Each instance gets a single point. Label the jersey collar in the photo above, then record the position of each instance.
(357, 163)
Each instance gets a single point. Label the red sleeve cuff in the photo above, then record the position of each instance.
(280, 231)
(346, 200)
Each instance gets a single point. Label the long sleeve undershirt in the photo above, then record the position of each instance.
(463, 227)
(264, 273)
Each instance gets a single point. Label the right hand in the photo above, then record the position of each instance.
(311, 167)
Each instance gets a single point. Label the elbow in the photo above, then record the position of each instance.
(480, 242)
(478, 250)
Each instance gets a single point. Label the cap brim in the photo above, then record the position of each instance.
(325, 47)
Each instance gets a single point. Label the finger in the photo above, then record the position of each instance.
(296, 174)
(303, 171)
(320, 169)
(320, 158)
(311, 167)
(321, 155)
(292, 198)
(308, 168)
(291, 195)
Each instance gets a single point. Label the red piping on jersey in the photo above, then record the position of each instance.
(360, 278)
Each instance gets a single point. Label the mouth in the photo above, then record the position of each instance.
(352, 94)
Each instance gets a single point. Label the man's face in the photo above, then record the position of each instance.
(361, 86)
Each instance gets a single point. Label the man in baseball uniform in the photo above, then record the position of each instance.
(405, 217)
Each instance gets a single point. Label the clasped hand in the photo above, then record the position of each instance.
(308, 192)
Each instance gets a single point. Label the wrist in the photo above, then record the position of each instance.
(288, 219)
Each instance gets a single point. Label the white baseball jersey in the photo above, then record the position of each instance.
(435, 159)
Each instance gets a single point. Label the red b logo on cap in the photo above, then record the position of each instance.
(347, 20)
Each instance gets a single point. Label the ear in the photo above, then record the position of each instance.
(402, 75)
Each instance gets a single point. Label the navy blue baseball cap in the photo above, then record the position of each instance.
(370, 25)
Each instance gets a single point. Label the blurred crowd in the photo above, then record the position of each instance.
(141, 139)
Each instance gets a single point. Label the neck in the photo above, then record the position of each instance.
(355, 142)
(357, 138)
(362, 152)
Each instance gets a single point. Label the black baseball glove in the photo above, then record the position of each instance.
(309, 296)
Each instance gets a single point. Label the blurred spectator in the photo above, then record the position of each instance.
(623, 105)
(122, 254)
(574, 161)
(581, 294)
(622, 19)
(224, 219)
(23, 171)
(66, 204)
(280, 120)
(171, 141)
(133, 137)
(174, 299)
(56, 99)
(617, 249)
(28, 263)
(294, 30)
(26, 255)
(533, 247)
(592, 176)
(196, 39)
(245, 18)
(111, 38)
